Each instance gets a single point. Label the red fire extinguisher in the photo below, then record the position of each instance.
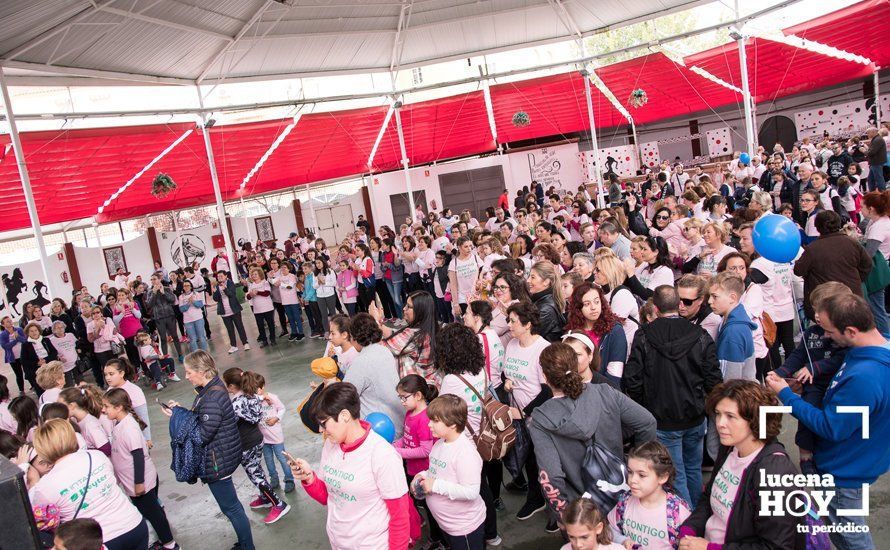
(64, 276)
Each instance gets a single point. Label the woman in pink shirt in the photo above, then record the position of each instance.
(85, 408)
(727, 514)
(191, 304)
(135, 471)
(361, 480)
(259, 292)
(127, 317)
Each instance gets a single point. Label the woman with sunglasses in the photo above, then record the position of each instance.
(662, 218)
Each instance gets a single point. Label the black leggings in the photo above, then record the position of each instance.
(389, 308)
(99, 367)
(264, 320)
(365, 297)
(282, 316)
(134, 539)
(436, 534)
(470, 541)
(19, 374)
(151, 510)
(785, 339)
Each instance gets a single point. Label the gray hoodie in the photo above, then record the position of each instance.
(562, 428)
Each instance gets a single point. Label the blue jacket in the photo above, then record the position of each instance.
(219, 431)
(188, 459)
(863, 380)
(735, 340)
(7, 342)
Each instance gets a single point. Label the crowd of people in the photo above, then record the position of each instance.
(607, 356)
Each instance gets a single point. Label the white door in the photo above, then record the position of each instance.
(325, 229)
(344, 224)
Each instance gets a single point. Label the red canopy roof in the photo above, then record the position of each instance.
(776, 70)
(861, 29)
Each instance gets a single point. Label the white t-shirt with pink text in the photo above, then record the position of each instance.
(358, 483)
(523, 367)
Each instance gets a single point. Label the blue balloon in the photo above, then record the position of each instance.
(745, 158)
(383, 425)
(776, 238)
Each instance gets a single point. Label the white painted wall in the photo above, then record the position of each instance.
(31, 272)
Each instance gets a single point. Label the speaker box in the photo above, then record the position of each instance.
(17, 527)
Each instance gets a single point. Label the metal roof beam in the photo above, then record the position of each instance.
(235, 39)
(162, 22)
(78, 14)
(76, 71)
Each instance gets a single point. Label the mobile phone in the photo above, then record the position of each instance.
(163, 405)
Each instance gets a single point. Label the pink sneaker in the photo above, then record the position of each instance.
(260, 502)
(183, 339)
(276, 513)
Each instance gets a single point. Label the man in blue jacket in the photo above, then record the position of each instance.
(862, 381)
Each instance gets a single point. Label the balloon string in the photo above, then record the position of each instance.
(800, 321)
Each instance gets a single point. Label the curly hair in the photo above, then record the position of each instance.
(607, 319)
(364, 331)
(548, 251)
(560, 366)
(518, 288)
(458, 350)
(527, 313)
(748, 396)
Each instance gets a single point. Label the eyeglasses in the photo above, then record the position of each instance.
(807, 200)
(404, 398)
(689, 301)
(500, 288)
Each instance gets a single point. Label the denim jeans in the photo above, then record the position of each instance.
(196, 334)
(271, 453)
(295, 318)
(876, 178)
(878, 309)
(848, 499)
(395, 292)
(685, 447)
(223, 491)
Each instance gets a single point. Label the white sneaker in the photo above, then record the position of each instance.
(246, 347)
(233, 349)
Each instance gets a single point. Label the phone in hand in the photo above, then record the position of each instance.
(163, 405)
(290, 459)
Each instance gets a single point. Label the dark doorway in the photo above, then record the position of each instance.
(474, 190)
(777, 129)
(401, 209)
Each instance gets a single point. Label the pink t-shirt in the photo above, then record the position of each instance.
(521, 365)
(417, 430)
(103, 341)
(459, 463)
(93, 432)
(66, 348)
(661, 275)
(272, 434)
(261, 304)
(467, 271)
(647, 527)
(345, 358)
(64, 487)
(358, 483)
(49, 396)
(7, 422)
(455, 386)
(708, 266)
(723, 493)
(137, 397)
(193, 313)
(127, 437)
(287, 289)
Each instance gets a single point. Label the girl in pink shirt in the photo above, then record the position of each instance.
(273, 435)
(586, 527)
(135, 471)
(452, 482)
(649, 516)
(85, 408)
(417, 442)
(346, 287)
(119, 373)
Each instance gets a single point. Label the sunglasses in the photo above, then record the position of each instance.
(662, 217)
(689, 301)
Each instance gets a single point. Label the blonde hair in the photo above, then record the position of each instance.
(729, 282)
(48, 375)
(613, 270)
(202, 362)
(54, 439)
(718, 229)
(258, 270)
(546, 270)
(694, 222)
(603, 252)
(143, 338)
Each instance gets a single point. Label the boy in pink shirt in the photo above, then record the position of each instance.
(451, 483)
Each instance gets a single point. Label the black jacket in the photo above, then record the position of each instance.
(877, 151)
(552, 320)
(162, 304)
(219, 430)
(671, 369)
(231, 294)
(837, 166)
(29, 356)
(745, 528)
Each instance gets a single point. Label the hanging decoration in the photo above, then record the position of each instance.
(162, 186)
(638, 98)
(521, 119)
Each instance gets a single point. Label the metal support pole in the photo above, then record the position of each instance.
(598, 173)
(26, 187)
(246, 223)
(746, 97)
(312, 209)
(99, 247)
(638, 155)
(220, 207)
(405, 166)
(877, 96)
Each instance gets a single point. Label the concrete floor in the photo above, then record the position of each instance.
(198, 524)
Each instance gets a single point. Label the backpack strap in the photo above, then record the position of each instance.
(620, 509)
(673, 518)
(487, 356)
(478, 396)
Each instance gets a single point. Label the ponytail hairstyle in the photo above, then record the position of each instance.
(482, 309)
(232, 377)
(560, 365)
(659, 459)
(24, 410)
(414, 383)
(122, 364)
(88, 398)
(585, 512)
(250, 383)
(118, 397)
